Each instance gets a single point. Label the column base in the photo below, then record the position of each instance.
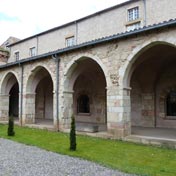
(119, 130)
(29, 119)
(4, 118)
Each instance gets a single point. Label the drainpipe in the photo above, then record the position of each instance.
(57, 60)
(37, 46)
(21, 102)
(145, 13)
(76, 33)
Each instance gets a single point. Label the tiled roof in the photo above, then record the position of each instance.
(76, 21)
(119, 36)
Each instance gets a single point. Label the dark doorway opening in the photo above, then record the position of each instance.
(14, 101)
(171, 104)
(83, 104)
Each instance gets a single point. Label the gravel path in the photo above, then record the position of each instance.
(22, 160)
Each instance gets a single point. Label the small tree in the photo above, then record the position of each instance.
(11, 126)
(72, 134)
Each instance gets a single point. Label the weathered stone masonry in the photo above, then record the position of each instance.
(111, 78)
(125, 102)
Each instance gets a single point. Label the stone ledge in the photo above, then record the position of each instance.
(161, 142)
(87, 128)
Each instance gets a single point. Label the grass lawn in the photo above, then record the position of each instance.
(124, 156)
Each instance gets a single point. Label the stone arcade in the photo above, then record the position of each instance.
(113, 69)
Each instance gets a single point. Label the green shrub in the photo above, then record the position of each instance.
(72, 134)
(11, 131)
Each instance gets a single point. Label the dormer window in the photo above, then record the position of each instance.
(17, 55)
(33, 51)
(70, 41)
(133, 14)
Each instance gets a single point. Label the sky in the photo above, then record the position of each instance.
(24, 18)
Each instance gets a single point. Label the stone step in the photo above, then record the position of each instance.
(164, 142)
(90, 127)
(87, 128)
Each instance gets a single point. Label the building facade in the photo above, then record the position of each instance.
(113, 70)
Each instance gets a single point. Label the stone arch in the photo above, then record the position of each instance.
(33, 75)
(126, 71)
(143, 73)
(8, 81)
(80, 77)
(9, 96)
(39, 97)
(72, 64)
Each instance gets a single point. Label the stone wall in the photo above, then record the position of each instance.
(166, 84)
(99, 25)
(116, 60)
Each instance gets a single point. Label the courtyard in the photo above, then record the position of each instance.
(119, 155)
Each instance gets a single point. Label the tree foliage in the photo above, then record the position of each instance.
(11, 131)
(73, 134)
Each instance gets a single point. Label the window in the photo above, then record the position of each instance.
(83, 104)
(17, 55)
(171, 103)
(32, 51)
(133, 14)
(6, 45)
(133, 26)
(70, 41)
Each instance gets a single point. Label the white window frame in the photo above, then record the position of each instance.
(17, 55)
(32, 51)
(70, 41)
(133, 14)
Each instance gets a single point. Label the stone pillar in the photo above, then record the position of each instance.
(19, 109)
(55, 115)
(4, 107)
(118, 112)
(29, 108)
(67, 110)
(148, 110)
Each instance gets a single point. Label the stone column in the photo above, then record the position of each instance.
(118, 112)
(4, 107)
(55, 115)
(148, 110)
(19, 109)
(29, 108)
(67, 110)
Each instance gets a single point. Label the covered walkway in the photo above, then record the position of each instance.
(154, 136)
(162, 133)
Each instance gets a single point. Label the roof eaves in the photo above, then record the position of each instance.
(169, 23)
(73, 22)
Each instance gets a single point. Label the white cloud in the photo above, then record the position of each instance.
(27, 18)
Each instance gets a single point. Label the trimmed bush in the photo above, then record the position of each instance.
(72, 134)
(11, 131)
